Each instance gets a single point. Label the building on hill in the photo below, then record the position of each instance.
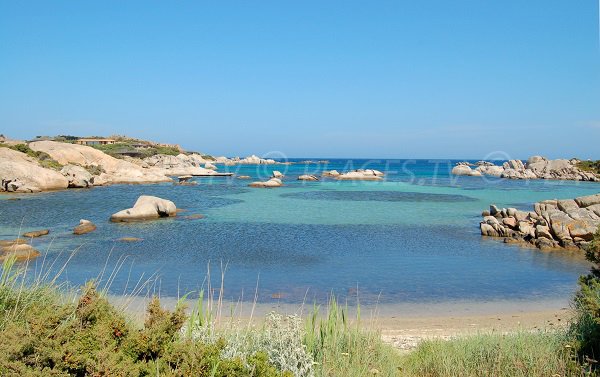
(95, 141)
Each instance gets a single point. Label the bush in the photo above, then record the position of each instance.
(585, 329)
(43, 334)
(116, 150)
(592, 166)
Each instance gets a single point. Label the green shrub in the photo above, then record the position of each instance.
(42, 333)
(43, 158)
(116, 150)
(592, 166)
(585, 328)
(94, 169)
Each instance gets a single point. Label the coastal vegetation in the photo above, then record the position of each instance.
(122, 148)
(43, 158)
(589, 165)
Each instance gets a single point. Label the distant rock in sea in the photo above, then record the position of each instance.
(271, 183)
(536, 167)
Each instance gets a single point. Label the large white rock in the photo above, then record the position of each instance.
(271, 183)
(21, 173)
(465, 170)
(361, 175)
(78, 177)
(146, 208)
(116, 170)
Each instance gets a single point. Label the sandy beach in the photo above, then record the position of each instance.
(404, 325)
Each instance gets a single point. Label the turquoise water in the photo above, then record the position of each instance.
(411, 238)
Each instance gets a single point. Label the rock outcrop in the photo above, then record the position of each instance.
(146, 208)
(277, 174)
(85, 226)
(362, 175)
(271, 183)
(465, 170)
(250, 160)
(330, 173)
(78, 177)
(568, 223)
(536, 167)
(308, 177)
(21, 173)
(115, 170)
(180, 165)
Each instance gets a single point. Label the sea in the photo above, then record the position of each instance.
(412, 238)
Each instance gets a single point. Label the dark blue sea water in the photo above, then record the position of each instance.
(411, 238)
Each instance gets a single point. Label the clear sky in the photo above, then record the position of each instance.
(381, 79)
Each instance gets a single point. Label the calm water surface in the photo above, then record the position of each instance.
(412, 238)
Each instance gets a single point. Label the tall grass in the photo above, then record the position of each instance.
(341, 346)
(520, 354)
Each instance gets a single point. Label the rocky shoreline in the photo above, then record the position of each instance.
(80, 166)
(567, 224)
(536, 167)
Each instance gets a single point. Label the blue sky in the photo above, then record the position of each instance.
(380, 79)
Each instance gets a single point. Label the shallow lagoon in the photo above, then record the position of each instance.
(412, 238)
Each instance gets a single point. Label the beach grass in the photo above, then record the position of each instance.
(47, 330)
(523, 353)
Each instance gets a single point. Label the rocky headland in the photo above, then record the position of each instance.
(536, 167)
(567, 223)
(51, 165)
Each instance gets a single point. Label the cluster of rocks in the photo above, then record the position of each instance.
(355, 175)
(358, 175)
(536, 167)
(568, 223)
(250, 160)
(182, 164)
(84, 166)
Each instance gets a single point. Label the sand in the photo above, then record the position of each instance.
(404, 325)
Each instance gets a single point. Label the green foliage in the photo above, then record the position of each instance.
(208, 157)
(43, 158)
(585, 329)
(591, 166)
(94, 169)
(118, 149)
(43, 334)
(522, 354)
(343, 349)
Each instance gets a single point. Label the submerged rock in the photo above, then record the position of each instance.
(85, 226)
(36, 233)
(129, 239)
(17, 241)
(21, 252)
(146, 208)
